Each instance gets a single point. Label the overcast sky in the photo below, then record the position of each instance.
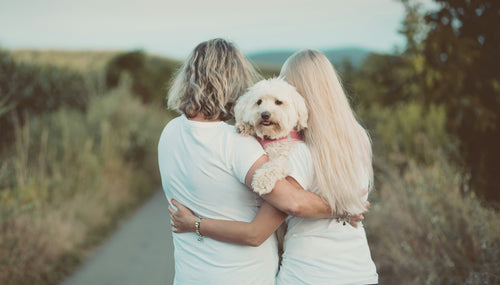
(173, 28)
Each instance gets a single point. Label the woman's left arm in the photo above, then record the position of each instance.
(254, 233)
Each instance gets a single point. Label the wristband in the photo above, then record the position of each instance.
(197, 224)
(344, 219)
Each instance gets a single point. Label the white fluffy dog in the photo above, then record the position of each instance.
(274, 112)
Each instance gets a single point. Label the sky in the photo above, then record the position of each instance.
(174, 28)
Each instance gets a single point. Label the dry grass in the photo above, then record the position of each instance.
(69, 178)
(425, 225)
(84, 60)
(423, 229)
(91, 64)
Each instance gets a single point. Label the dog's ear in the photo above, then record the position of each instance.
(241, 105)
(301, 109)
(241, 110)
(245, 129)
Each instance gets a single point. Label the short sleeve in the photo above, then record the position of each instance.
(245, 152)
(301, 166)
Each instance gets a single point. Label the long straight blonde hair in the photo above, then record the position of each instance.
(340, 146)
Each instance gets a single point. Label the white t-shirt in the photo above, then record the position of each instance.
(203, 166)
(322, 251)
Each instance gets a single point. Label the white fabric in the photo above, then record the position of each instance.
(322, 251)
(203, 166)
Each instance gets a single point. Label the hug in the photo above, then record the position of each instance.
(297, 157)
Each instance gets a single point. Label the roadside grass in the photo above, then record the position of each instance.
(69, 179)
(426, 226)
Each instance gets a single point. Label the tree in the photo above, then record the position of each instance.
(461, 70)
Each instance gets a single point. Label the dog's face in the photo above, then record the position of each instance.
(270, 109)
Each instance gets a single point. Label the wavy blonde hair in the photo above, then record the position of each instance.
(209, 82)
(340, 146)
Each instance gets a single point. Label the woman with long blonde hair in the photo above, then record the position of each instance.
(335, 162)
(340, 146)
(323, 251)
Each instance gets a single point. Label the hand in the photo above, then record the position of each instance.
(182, 220)
(353, 220)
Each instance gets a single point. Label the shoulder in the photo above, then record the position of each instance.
(170, 126)
(301, 165)
(301, 152)
(241, 152)
(240, 139)
(175, 122)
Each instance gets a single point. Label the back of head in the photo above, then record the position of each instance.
(340, 146)
(210, 80)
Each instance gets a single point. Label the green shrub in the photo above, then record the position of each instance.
(409, 130)
(150, 74)
(28, 90)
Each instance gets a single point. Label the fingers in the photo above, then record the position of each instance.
(171, 210)
(172, 224)
(181, 208)
(356, 219)
(175, 203)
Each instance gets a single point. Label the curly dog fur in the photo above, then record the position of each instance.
(271, 110)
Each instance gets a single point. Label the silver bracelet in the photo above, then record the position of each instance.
(197, 224)
(345, 219)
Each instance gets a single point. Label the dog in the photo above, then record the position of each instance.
(274, 112)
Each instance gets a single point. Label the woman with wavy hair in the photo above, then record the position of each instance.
(205, 165)
(335, 162)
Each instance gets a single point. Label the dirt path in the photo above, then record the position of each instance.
(139, 253)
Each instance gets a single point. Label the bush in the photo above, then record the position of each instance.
(409, 130)
(150, 75)
(425, 229)
(28, 90)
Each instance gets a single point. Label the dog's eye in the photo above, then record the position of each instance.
(278, 102)
(259, 102)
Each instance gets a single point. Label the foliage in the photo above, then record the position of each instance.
(423, 229)
(70, 177)
(409, 131)
(91, 64)
(383, 79)
(150, 74)
(458, 59)
(432, 129)
(28, 90)
(268, 70)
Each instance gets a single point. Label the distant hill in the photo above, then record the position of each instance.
(337, 55)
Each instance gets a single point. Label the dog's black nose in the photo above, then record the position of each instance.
(265, 115)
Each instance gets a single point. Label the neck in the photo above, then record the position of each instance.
(200, 118)
(294, 135)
